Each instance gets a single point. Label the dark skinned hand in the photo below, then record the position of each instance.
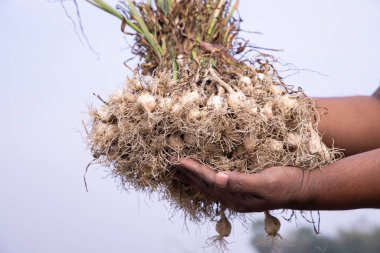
(273, 188)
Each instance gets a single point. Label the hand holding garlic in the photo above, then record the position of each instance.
(274, 188)
(349, 183)
(338, 186)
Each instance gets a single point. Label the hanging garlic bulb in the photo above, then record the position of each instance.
(223, 226)
(272, 225)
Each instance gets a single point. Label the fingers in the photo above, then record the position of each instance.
(238, 191)
(246, 192)
(239, 182)
(197, 170)
(221, 180)
(198, 176)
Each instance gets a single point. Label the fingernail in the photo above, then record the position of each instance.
(221, 179)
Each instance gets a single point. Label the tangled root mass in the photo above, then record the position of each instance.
(245, 121)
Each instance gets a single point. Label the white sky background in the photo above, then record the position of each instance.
(47, 78)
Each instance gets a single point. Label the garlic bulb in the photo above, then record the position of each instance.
(252, 106)
(236, 100)
(223, 227)
(191, 98)
(105, 131)
(176, 109)
(275, 89)
(180, 59)
(315, 142)
(286, 103)
(294, 139)
(216, 102)
(147, 101)
(260, 76)
(194, 114)
(175, 142)
(245, 80)
(266, 111)
(275, 145)
(166, 103)
(272, 225)
(104, 114)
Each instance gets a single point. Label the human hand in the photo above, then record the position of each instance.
(273, 188)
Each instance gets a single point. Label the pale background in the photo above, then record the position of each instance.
(47, 78)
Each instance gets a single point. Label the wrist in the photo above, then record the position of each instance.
(305, 195)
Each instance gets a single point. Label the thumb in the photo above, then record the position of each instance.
(239, 182)
(221, 179)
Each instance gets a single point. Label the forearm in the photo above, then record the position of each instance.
(352, 123)
(353, 182)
